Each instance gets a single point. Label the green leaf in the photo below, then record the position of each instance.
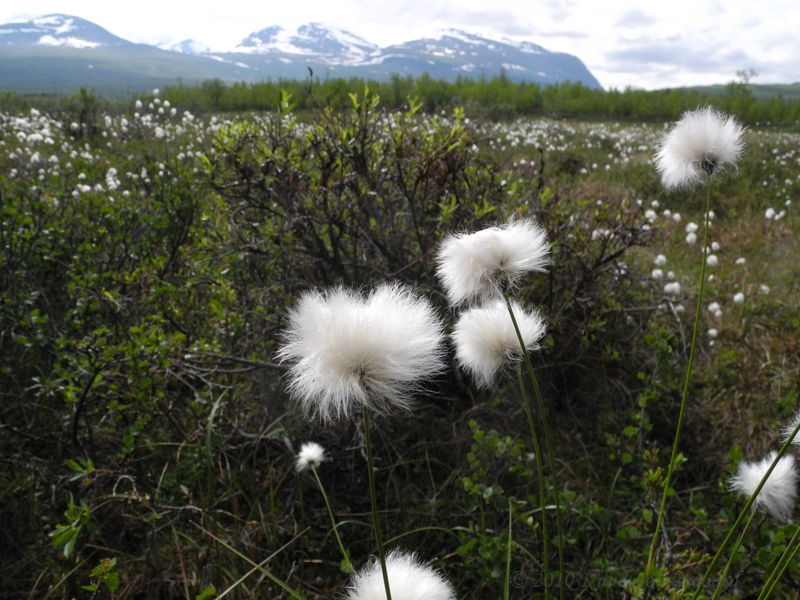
(112, 581)
(207, 593)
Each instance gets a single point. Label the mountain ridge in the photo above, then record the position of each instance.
(64, 45)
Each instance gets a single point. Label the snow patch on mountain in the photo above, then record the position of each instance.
(327, 44)
(58, 30)
(60, 24)
(230, 62)
(68, 42)
(188, 46)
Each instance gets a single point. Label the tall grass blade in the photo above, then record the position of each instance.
(373, 498)
(651, 556)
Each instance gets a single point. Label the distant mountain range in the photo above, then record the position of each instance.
(58, 52)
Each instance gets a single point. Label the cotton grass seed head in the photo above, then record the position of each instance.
(481, 264)
(788, 429)
(311, 454)
(409, 579)
(348, 351)
(779, 493)
(703, 142)
(485, 339)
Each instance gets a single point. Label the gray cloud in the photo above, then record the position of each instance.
(667, 54)
(560, 9)
(635, 18)
(499, 20)
(575, 35)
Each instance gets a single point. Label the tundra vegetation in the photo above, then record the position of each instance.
(151, 256)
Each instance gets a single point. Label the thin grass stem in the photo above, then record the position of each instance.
(744, 511)
(258, 566)
(783, 563)
(724, 576)
(651, 556)
(548, 444)
(537, 455)
(507, 586)
(535, 438)
(373, 499)
(346, 565)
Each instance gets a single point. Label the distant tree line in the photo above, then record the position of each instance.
(497, 98)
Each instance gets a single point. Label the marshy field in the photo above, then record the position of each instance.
(179, 285)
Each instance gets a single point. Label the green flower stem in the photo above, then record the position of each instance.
(346, 565)
(783, 563)
(257, 566)
(724, 576)
(507, 586)
(373, 498)
(537, 392)
(537, 455)
(548, 442)
(743, 512)
(651, 557)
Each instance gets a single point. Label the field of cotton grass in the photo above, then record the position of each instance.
(367, 354)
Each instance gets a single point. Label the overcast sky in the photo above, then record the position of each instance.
(624, 43)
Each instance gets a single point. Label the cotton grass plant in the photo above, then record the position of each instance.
(349, 352)
(309, 458)
(776, 494)
(485, 267)
(701, 144)
(779, 491)
(486, 340)
(480, 265)
(409, 578)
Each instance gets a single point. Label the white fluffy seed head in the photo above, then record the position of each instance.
(311, 454)
(779, 493)
(788, 429)
(409, 579)
(701, 143)
(348, 351)
(476, 265)
(485, 338)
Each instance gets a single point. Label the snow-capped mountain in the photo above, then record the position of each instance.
(191, 47)
(454, 52)
(327, 44)
(450, 54)
(63, 50)
(58, 30)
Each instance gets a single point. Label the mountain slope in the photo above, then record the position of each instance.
(188, 46)
(455, 52)
(60, 51)
(59, 30)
